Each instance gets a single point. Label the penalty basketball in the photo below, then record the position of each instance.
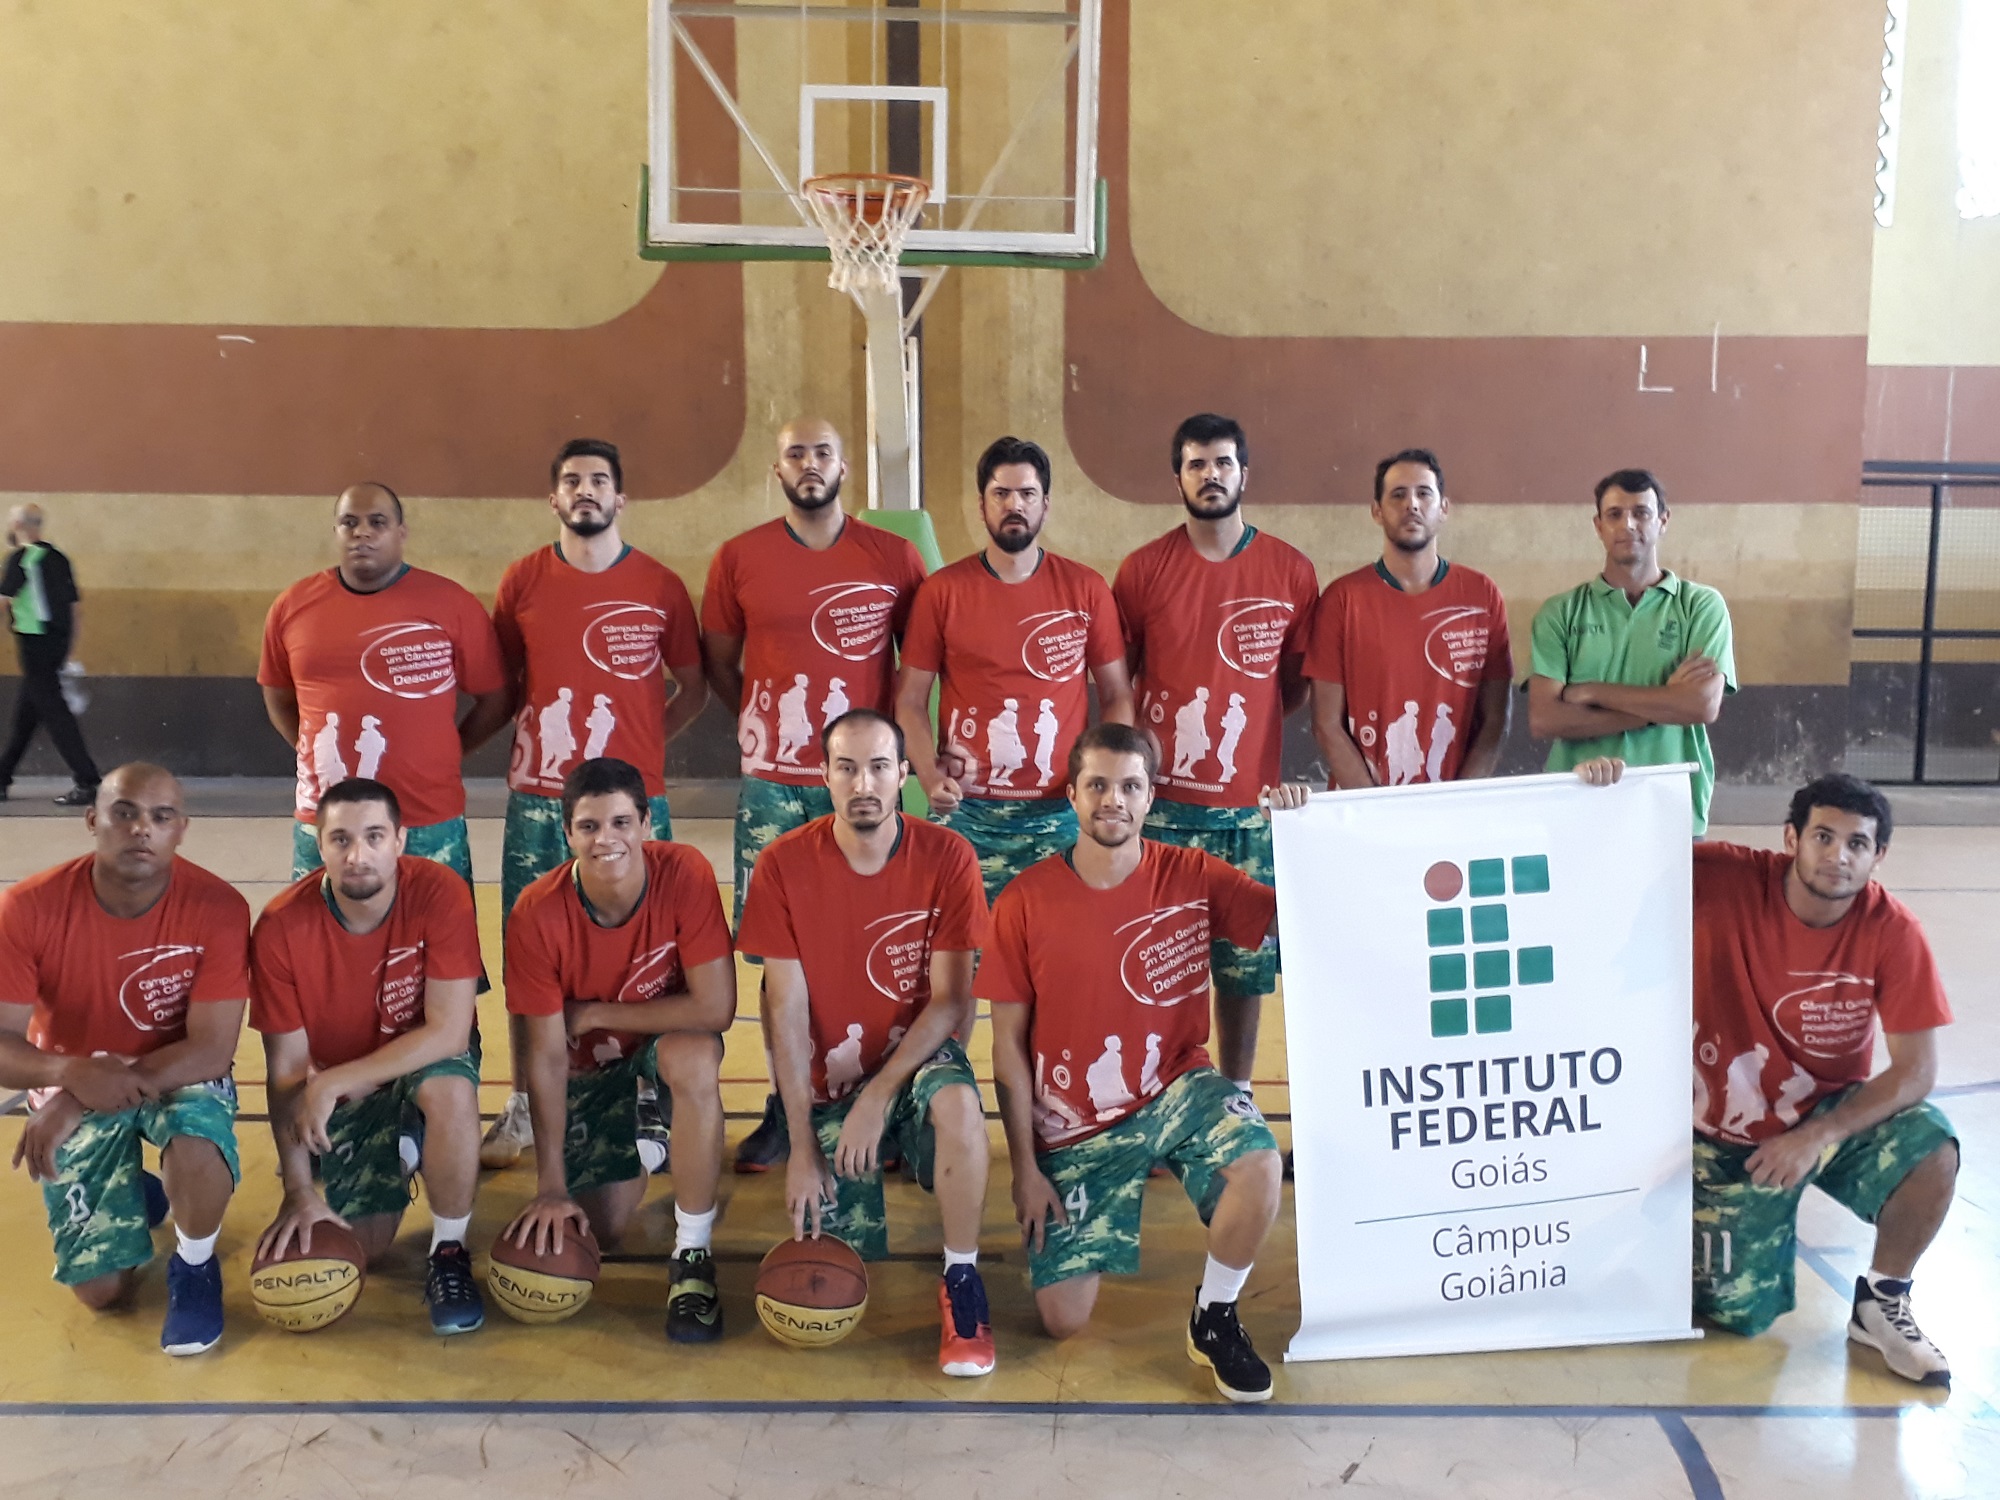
(811, 1293)
(543, 1287)
(304, 1290)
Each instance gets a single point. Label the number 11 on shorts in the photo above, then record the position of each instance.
(1708, 1239)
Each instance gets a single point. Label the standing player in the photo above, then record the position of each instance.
(1217, 615)
(365, 976)
(1012, 629)
(361, 671)
(38, 588)
(1409, 660)
(867, 922)
(123, 977)
(619, 963)
(791, 607)
(1797, 957)
(1098, 1057)
(590, 629)
(1634, 663)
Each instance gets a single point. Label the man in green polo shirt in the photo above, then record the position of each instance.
(1634, 663)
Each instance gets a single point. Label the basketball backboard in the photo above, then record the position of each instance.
(992, 102)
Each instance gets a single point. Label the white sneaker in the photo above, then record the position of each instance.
(509, 1136)
(1885, 1324)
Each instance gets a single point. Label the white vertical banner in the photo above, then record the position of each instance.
(1488, 1013)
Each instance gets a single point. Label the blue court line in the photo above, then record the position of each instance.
(1701, 1479)
(1825, 1270)
(906, 1408)
(1988, 1086)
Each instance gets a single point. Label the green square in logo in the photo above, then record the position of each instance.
(1489, 969)
(1448, 972)
(1448, 1017)
(1446, 925)
(1487, 877)
(1531, 874)
(1492, 1013)
(1538, 965)
(1489, 924)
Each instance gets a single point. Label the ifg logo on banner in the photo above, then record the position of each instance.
(1492, 969)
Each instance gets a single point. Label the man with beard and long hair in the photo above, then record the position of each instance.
(586, 620)
(1217, 608)
(1013, 623)
(794, 603)
(1098, 1054)
(363, 980)
(1410, 637)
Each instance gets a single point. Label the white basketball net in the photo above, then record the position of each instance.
(865, 216)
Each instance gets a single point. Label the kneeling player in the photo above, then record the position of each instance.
(620, 961)
(123, 977)
(1097, 972)
(365, 975)
(867, 922)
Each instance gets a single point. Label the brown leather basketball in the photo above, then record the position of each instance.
(303, 1289)
(811, 1293)
(543, 1287)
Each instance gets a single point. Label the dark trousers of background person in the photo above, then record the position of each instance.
(41, 705)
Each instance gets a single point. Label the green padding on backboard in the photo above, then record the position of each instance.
(914, 526)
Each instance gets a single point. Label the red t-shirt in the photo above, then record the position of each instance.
(1784, 1014)
(865, 941)
(352, 991)
(556, 952)
(1412, 666)
(1011, 658)
(100, 983)
(588, 650)
(378, 677)
(817, 629)
(1116, 981)
(1210, 636)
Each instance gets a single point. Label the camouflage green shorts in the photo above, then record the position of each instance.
(97, 1206)
(1010, 836)
(532, 843)
(1242, 836)
(1200, 1124)
(446, 843)
(765, 812)
(1746, 1237)
(860, 1216)
(602, 1145)
(363, 1174)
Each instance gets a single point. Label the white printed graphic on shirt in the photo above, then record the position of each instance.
(1054, 643)
(1046, 727)
(1456, 643)
(1191, 741)
(409, 659)
(1251, 636)
(558, 739)
(1166, 955)
(1106, 1081)
(370, 746)
(154, 992)
(602, 721)
(1004, 751)
(851, 620)
(795, 726)
(843, 1063)
(623, 638)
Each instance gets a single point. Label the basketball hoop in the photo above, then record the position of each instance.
(865, 216)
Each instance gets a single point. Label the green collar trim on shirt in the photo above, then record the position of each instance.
(844, 519)
(1249, 536)
(623, 553)
(576, 880)
(1382, 572)
(401, 570)
(987, 563)
(1669, 584)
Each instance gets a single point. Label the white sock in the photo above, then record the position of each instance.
(960, 1257)
(1242, 1083)
(408, 1154)
(652, 1155)
(1220, 1283)
(444, 1230)
(196, 1252)
(692, 1231)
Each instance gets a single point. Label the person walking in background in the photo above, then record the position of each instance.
(40, 589)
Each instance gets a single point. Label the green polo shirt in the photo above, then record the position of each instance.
(1594, 633)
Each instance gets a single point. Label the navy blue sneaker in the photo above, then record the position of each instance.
(194, 1306)
(456, 1306)
(156, 1199)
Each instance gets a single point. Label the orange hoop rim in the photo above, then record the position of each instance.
(854, 186)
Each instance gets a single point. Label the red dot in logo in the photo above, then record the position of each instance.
(1442, 881)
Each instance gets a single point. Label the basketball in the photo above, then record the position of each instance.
(543, 1288)
(811, 1293)
(302, 1291)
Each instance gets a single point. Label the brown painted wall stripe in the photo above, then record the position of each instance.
(1933, 414)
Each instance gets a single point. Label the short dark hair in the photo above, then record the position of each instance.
(357, 790)
(1207, 427)
(588, 448)
(1844, 793)
(395, 500)
(1119, 739)
(1013, 450)
(1632, 482)
(1422, 456)
(603, 777)
(861, 716)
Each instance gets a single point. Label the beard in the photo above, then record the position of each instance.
(587, 524)
(1213, 503)
(821, 501)
(1013, 538)
(360, 887)
(1406, 544)
(1114, 837)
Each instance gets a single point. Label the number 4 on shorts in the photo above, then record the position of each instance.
(1077, 1203)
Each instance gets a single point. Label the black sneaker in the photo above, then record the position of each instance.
(769, 1144)
(694, 1308)
(456, 1306)
(77, 796)
(1217, 1340)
